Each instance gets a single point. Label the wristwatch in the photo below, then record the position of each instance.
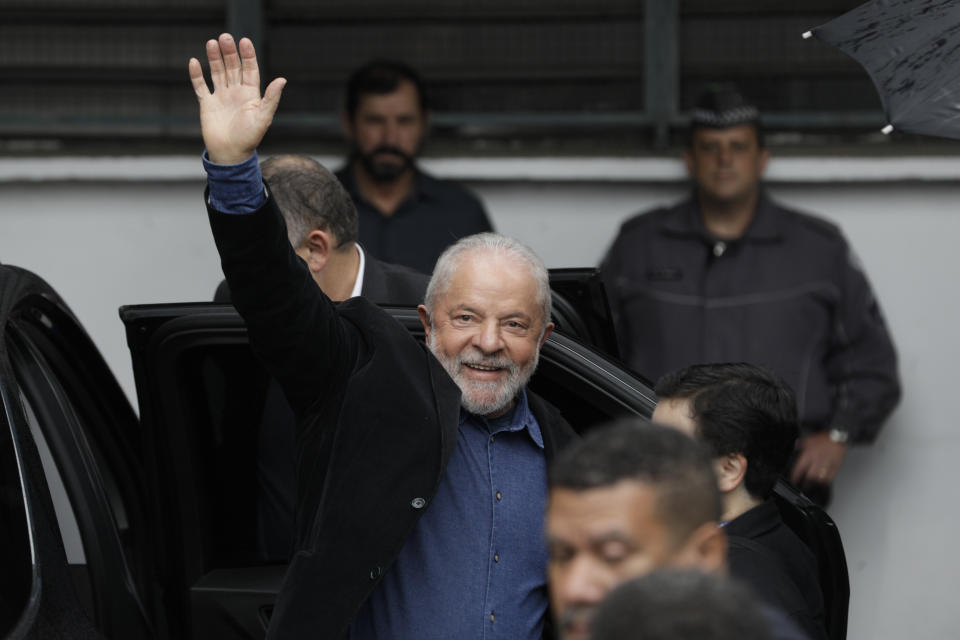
(839, 435)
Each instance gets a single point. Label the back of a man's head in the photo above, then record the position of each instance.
(739, 409)
(678, 469)
(310, 197)
(680, 605)
(380, 77)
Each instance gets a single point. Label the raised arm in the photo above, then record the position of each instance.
(293, 327)
(233, 117)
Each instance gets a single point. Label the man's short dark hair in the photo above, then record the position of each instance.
(740, 408)
(380, 77)
(678, 469)
(310, 197)
(722, 106)
(669, 604)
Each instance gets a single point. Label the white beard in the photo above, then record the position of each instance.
(484, 398)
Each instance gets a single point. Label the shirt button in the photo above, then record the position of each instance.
(491, 616)
(719, 248)
(499, 496)
(496, 557)
(492, 438)
(418, 503)
(375, 573)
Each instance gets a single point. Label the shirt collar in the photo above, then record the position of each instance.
(358, 283)
(520, 419)
(765, 225)
(756, 521)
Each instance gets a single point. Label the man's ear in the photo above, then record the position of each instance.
(424, 319)
(546, 334)
(316, 249)
(731, 470)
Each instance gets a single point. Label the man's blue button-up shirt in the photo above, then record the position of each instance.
(475, 565)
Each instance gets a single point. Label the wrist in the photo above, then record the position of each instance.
(235, 188)
(228, 158)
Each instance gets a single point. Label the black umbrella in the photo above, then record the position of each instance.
(911, 49)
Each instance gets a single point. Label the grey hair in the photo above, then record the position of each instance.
(310, 197)
(495, 243)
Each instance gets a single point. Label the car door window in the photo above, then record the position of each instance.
(212, 401)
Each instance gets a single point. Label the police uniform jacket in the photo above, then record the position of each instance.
(788, 295)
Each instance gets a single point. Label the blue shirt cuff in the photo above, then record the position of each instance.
(235, 188)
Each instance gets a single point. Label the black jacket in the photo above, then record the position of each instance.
(377, 422)
(768, 556)
(788, 295)
(383, 283)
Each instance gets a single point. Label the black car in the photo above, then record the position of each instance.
(124, 527)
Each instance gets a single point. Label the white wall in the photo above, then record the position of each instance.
(104, 243)
(893, 500)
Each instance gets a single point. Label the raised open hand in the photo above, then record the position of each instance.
(234, 117)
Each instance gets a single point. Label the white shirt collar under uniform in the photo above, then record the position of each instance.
(358, 284)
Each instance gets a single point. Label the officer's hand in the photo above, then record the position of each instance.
(818, 460)
(234, 117)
